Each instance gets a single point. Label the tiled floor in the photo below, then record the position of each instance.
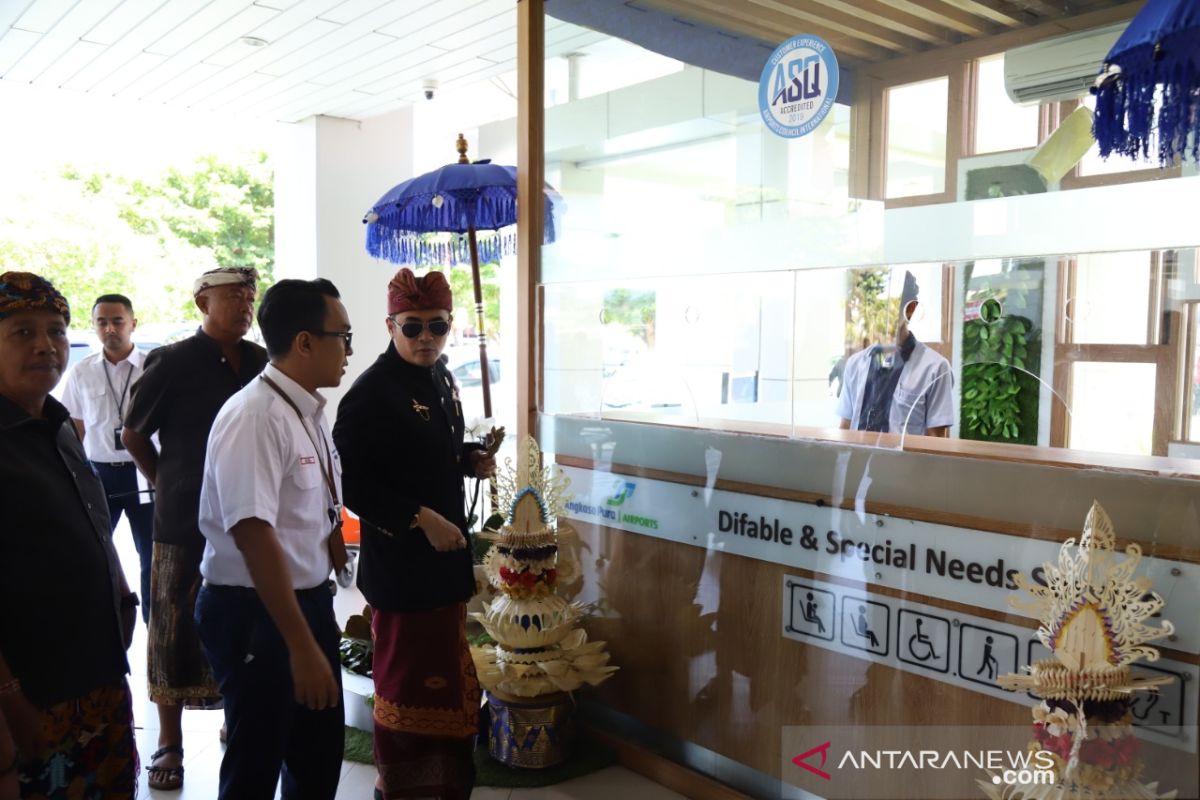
(203, 750)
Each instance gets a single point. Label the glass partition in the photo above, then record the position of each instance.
(816, 446)
(1094, 353)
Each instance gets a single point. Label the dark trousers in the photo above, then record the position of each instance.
(120, 484)
(269, 732)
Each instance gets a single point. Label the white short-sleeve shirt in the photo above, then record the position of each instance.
(94, 390)
(924, 397)
(262, 464)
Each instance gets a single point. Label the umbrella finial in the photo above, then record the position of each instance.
(462, 150)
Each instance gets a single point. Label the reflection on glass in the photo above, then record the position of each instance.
(1000, 124)
(916, 138)
(1111, 299)
(890, 380)
(600, 65)
(1112, 407)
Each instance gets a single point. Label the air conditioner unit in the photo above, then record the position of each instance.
(1062, 68)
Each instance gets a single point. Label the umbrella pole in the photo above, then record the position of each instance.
(484, 367)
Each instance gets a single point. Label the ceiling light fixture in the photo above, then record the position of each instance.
(254, 41)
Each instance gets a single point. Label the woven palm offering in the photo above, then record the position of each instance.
(1093, 614)
(540, 655)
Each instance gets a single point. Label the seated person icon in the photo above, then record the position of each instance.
(862, 629)
(810, 613)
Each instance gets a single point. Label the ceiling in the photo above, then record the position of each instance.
(870, 31)
(362, 58)
(348, 58)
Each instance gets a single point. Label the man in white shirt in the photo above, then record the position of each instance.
(96, 394)
(269, 512)
(902, 388)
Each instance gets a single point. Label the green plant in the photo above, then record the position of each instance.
(870, 314)
(356, 655)
(1001, 353)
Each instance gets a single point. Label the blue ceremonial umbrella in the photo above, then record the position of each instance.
(1151, 80)
(458, 198)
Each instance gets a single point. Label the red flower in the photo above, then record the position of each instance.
(528, 579)
(551, 575)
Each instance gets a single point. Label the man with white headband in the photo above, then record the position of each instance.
(183, 386)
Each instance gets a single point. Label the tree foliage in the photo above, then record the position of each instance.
(93, 233)
(871, 315)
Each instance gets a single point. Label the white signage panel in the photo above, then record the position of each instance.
(965, 565)
(967, 651)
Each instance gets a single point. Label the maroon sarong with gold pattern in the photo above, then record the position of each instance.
(427, 701)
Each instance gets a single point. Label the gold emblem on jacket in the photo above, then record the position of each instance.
(423, 411)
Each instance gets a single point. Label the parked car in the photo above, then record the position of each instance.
(463, 363)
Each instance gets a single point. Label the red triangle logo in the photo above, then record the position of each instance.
(800, 760)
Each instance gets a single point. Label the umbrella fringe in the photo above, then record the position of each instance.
(418, 249)
(1126, 120)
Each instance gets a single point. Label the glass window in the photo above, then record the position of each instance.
(916, 138)
(1112, 407)
(1111, 302)
(1000, 124)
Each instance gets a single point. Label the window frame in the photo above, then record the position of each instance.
(1161, 348)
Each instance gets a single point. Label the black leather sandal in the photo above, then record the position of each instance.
(170, 778)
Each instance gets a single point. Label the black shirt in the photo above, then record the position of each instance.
(60, 581)
(399, 432)
(182, 387)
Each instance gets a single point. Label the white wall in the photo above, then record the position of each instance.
(332, 171)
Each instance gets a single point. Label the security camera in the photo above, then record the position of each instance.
(430, 86)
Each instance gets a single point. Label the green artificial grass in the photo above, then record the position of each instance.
(587, 757)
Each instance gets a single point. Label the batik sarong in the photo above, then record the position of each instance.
(177, 671)
(427, 701)
(90, 753)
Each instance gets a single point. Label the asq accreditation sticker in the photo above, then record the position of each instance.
(798, 86)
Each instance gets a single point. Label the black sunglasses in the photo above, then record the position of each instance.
(345, 336)
(412, 329)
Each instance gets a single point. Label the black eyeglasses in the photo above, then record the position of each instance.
(412, 329)
(346, 336)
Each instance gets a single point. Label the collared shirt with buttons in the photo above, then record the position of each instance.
(60, 580)
(924, 395)
(96, 391)
(183, 386)
(265, 462)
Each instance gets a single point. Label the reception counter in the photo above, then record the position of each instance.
(763, 594)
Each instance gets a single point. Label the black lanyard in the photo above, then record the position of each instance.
(336, 543)
(327, 462)
(120, 401)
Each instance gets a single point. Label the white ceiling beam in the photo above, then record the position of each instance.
(221, 98)
(44, 15)
(129, 46)
(57, 41)
(351, 10)
(231, 30)
(67, 64)
(127, 73)
(296, 16)
(324, 93)
(207, 19)
(13, 47)
(11, 11)
(124, 18)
